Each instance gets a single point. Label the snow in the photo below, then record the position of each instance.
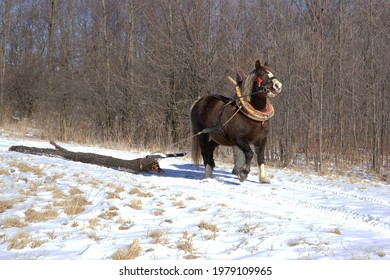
(180, 215)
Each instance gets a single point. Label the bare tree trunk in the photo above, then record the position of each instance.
(3, 47)
(51, 28)
(107, 92)
(375, 135)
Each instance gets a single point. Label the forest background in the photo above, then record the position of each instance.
(128, 71)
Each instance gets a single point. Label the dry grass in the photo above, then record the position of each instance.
(75, 191)
(381, 253)
(208, 226)
(136, 204)
(93, 223)
(4, 171)
(336, 231)
(251, 229)
(124, 223)
(108, 215)
(26, 168)
(212, 229)
(19, 241)
(139, 193)
(94, 236)
(13, 222)
(57, 193)
(133, 251)
(6, 204)
(158, 212)
(52, 235)
(36, 243)
(185, 243)
(73, 205)
(159, 236)
(180, 204)
(113, 195)
(32, 215)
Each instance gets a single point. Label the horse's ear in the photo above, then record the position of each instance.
(257, 65)
(266, 63)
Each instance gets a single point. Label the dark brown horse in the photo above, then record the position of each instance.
(217, 121)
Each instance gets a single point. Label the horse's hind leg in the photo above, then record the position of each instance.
(207, 150)
(209, 156)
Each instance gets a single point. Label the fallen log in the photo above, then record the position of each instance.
(134, 165)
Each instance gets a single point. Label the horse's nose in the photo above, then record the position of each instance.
(277, 86)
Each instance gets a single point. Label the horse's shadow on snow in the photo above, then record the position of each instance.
(188, 171)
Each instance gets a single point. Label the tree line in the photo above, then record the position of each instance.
(129, 70)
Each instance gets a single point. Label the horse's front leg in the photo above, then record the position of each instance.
(259, 149)
(244, 170)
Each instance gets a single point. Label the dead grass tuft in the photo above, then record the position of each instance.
(108, 215)
(208, 226)
(336, 231)
(6, 204)
(180, 204)
(159, 236)
(32, 215)
(158, 212)
(20, 241)
(57, 193)
(133, 251)
(185, 243)
(136, 204)
(4, 171)
(73, 205)
(139, 193)
(381, 253)
(13, 222)
(26, 168)
(212, 229)
(37, 243)
(75, 191)
(93, 223)
(113, 195)
(124, 223)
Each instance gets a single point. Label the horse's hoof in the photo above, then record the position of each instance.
(209, 171)
(264, 180)
(242, 175)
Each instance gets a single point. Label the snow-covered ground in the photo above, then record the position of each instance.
(52, 208)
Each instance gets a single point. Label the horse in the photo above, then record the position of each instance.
(216, 120)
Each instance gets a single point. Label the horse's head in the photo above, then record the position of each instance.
(265, 81)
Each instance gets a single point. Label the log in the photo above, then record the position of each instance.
(137, 165)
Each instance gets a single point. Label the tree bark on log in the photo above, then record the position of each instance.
(137, 165)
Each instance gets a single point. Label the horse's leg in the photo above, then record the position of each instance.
(207, 149)
(245, 168)
(209, 166)
(259, 149)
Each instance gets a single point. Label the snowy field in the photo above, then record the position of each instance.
(57, 209)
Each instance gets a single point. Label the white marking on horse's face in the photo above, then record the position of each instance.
(277, 86)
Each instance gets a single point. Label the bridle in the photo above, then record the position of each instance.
(262, 84)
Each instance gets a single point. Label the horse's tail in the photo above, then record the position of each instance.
(195, 128)
(195, 149)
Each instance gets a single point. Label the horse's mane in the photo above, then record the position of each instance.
(248, 86)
